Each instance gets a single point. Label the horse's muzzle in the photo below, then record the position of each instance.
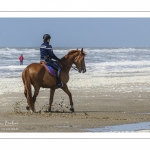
(83, 70)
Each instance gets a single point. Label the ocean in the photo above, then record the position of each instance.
(103, 65)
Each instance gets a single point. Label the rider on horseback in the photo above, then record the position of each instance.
(47, 55)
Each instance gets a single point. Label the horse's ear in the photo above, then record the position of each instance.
(82, 50)
(77, 49)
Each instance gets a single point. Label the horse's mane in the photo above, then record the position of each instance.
(72, 52)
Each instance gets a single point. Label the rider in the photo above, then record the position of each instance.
(47, 55)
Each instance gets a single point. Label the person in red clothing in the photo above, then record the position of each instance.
(21, 58)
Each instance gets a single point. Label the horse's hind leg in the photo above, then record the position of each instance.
(52, 91)
(36, 92)
(65, 89)
(25, 93)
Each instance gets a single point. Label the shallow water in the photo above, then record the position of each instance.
(99, 61)
(123, 128)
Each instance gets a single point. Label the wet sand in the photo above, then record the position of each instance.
(94, 108)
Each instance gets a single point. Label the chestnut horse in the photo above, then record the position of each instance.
(37, 75)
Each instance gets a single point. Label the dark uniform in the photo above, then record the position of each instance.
(47, 55)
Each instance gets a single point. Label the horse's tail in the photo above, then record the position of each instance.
(27, 88)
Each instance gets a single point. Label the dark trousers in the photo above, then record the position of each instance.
(56, 67)
(21, 62)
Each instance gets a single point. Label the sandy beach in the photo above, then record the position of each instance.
(111, 101)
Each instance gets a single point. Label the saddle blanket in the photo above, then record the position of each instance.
(50, 70)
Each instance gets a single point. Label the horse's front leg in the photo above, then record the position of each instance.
(52, 91)
(65, 89)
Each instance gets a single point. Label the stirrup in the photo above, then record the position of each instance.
(60, 84)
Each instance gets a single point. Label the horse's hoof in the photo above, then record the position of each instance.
(38, 111)
(31, 112)
(72, 109)
(27, 108)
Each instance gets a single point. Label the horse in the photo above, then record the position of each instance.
(38, 76)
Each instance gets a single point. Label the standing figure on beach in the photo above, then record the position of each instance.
(21, 58)
(47, 55)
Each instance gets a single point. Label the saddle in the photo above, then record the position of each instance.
(43, 62)
(52, 71)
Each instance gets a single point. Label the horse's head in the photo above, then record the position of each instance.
(79, 61)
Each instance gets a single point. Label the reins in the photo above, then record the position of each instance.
(75, 68)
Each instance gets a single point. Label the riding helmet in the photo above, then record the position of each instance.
(46, 37)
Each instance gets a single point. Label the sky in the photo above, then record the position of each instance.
(75, 32)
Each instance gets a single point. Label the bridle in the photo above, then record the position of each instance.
(75, 68)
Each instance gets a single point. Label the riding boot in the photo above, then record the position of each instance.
(59, 83)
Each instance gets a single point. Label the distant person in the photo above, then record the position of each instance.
(21, 58)
(47, 55)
